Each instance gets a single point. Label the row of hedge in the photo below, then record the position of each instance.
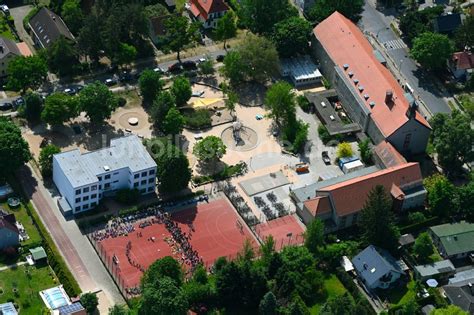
(228, 172)
(351, 287)
(415, 227)
(55, 259)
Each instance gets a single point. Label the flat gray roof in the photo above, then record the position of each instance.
(435, 268)
(83, 169)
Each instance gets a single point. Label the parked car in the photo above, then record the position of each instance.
(125, 76)
(70, 91)
(175, 67)
(220, 58)
(5, 9)
(110, 81)
(6, 106)
(189, 65)
(326, 158)
(258, 117)
(201, 60)
(18, 102)
(159, 70)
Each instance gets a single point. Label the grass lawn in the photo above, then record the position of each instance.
(333, 288)
(27, 287)
(22, 216)
(400, 295)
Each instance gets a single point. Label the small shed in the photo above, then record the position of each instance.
(406, 240)
(39, 255)
(352, 166)
(437, 270)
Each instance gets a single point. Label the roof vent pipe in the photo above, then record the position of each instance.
(345, 66)
(388, 97)
(351, 74)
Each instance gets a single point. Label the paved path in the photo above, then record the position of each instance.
(18, 14)
(79, 254)
(12, 266)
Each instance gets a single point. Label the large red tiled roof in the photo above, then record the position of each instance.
(350, 196)
(463, 60)
(388, 154)
(318, 205)
(346, 44)
(206, 7)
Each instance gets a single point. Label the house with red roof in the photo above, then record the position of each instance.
(337, 202)
(462, 65)
(369, 93)
(207, 11)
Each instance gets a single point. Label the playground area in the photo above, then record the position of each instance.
(285, 231)
(200, 233)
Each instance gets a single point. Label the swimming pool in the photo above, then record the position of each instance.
(55, 297)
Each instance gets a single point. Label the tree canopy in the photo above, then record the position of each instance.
(432, 50)
(173, 122)
(98, 102)
(62, 57)
(32, 107)
(209, 149)
(280, 101)
(261, 15)
(181, 89)
(14, 150)
(416, 22)
(441, 195)
(46, 159)
(26, 72)
(292, 36)
(314, 236)
(150, 85)
(464, 36)
(423, 247)
(72, 15)
(59, 108)
(376, 220)
(449, 310)
(321, 9)
(90, 302)
(179, 33)
(226, 27)
(160, 108)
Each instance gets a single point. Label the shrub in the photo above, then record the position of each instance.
(344, 149)
(324, 134)
(416, 217)
(127, 196)
(303, 103)
(200, 118)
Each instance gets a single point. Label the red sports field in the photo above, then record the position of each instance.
(285, 231)
(216, 233)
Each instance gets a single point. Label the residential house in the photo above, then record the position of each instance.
(376, 268)
(84, 179)
(440, 270)
(8, 51)
(47, 27)
(9, 233)
(462, 65)
(158, 29)
(447, 23)
(453, 240)
(368, 91)
(461, 294)
(8, 309)
(337, 202)
(208, 11)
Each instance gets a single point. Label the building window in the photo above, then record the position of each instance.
(116, 181)
(78, 192)
(93, 196)
(93, 204)
(150, 189)
(84, 207)
(116, 173)
(135, 184)
(86, 189)
(107, 185)
(100, 195)
(143, 190)
(151, 172)
(151, 180)
(143, 174)
(136, 176)
(78, 199)
(143, 182)
(107, 176)
(78, 209)
(99, 177)
(85, 198)
(94, 188)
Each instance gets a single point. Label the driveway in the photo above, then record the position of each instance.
(18, 14)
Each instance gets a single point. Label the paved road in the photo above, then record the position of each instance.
(378, 24)
(18, 14)
(81, 258)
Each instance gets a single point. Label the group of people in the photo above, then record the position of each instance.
(130, 260)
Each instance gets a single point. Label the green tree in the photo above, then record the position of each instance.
(126, 54)
(344, 149)
(291, 36)
(226, 27)
(89, 41)
(416, 22)
(32, 107)
(423, 247)
(155, 10)
(181, 89)
(172, 170)
(46, 159)
(233, 68)
(260, 16)
(452, 138)
(376, 220)
(314, 236)
(150, 85)
(339, 305)
(432, 50)
(466, 200)
(179, 34)
(72, 15)
(163, 267)
(206, 68)
(231, 100)
(118, 310)
(26, 72)
(90, 302)
(259, 58)
(98, 102)
(464, 36)
(14, 150)
(59, 108)
(160, 108)
(298, 307)
(352, 9)
(173, 122)
(164, 297)
(449, 310)
(410, 307)
(365, 151)
(280, 101)
(62, 57)
(268, 305)
(210, 149)
(441, 195)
